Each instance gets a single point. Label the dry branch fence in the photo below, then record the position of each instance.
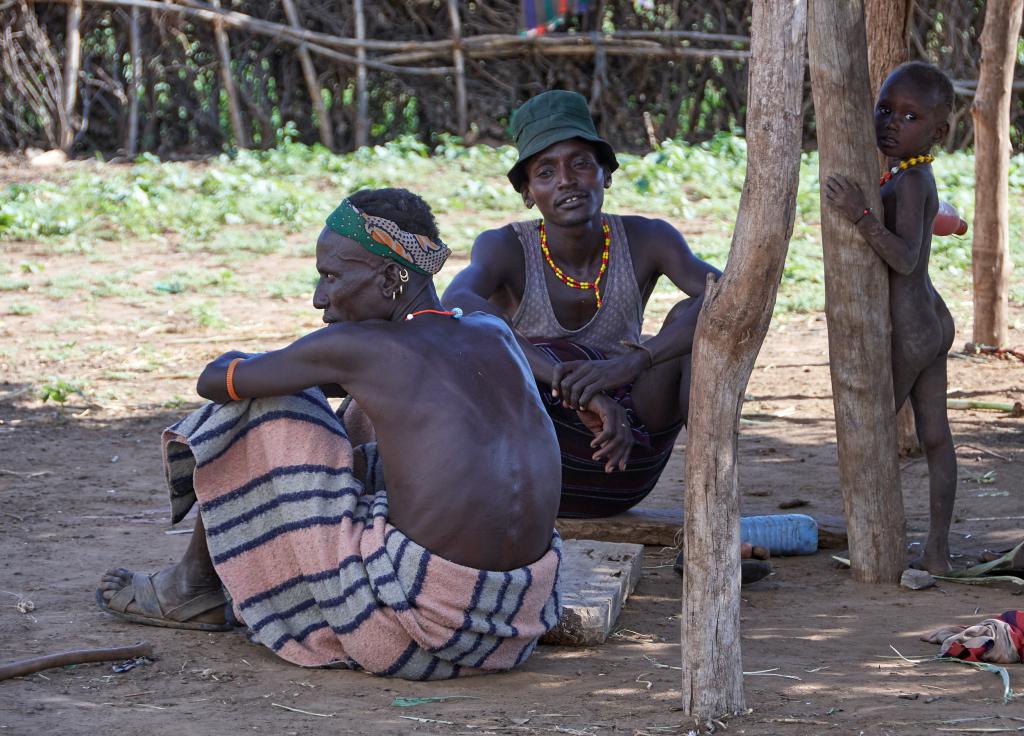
(188, 78)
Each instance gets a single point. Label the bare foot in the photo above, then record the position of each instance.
(165, 596)
(935, 562)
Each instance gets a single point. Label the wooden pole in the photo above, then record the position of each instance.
(458, 59)
(990, 251)
(600, 73)
(72, 59)
(134, 86)
(888, 31)
(362, 93)
(234, 109)
(732, 325)
(309, 73)
(856, 297)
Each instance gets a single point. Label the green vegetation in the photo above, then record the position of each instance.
(245, 206)
(59, 391)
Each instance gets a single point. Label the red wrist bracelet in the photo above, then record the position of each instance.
(230, 380)
(866, 211)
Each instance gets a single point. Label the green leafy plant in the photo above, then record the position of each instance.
(59, 391)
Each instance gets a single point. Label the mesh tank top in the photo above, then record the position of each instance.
(620, 316)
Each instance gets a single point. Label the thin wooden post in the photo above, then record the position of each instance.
(856, 297)
(234, 109)
(461, 112)
(309, 73)
(732, 325)
(600, 72)
(888, 29)
(362, 93)
(72, 60)
(132, 145)
(990, 251)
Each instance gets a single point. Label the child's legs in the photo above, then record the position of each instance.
(928, 397)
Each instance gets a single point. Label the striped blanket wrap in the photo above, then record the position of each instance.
(312, 565)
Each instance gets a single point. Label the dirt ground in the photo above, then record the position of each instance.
(81, 489)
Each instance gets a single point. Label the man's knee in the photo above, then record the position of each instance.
(680, 309)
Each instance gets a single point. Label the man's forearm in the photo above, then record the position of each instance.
(542, 365)
(675, 338)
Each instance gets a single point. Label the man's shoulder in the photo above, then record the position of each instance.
(641, 224)
(488, 324)
(498, 246)
(498, 235)
(649, 231)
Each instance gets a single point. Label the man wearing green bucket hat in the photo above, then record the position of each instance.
(573, 285)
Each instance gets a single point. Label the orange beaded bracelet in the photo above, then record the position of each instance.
(231, 380)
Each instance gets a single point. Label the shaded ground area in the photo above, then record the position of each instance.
(81, 489)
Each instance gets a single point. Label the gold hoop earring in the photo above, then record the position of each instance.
(403, 275)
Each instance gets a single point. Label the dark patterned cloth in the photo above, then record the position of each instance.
(588, 491)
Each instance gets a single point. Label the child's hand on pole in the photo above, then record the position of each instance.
(846, 196)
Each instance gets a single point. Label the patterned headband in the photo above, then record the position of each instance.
(386, 239)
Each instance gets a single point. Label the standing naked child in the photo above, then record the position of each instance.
(910, 117)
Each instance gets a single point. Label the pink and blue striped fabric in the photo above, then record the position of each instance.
(312, 565)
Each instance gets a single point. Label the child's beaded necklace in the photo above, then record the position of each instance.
(904, 165)
(569, 280)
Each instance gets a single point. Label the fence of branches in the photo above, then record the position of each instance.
(186, 78)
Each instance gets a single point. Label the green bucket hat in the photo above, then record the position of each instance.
(549, 118)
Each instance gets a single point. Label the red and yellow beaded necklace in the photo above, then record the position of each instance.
(569, 280)
(904, 165)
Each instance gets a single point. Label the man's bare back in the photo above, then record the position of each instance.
(429, 390)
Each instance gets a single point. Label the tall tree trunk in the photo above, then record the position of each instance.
(72, 59)
(731, 328)
(132, 145)
(234, 109)
(888, 31)
(309, 74)
(461, 110)
(362, 93)
(888, 28)
(856, 297)
(990, 251)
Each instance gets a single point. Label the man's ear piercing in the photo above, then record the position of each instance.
(403, 275)
(401, 289)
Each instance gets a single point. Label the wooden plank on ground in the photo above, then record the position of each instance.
(656, 527)
(595, 580)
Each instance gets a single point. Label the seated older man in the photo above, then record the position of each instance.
(453, 568)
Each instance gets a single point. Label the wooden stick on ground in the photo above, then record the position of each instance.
(22, 667)
(1016, 409)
